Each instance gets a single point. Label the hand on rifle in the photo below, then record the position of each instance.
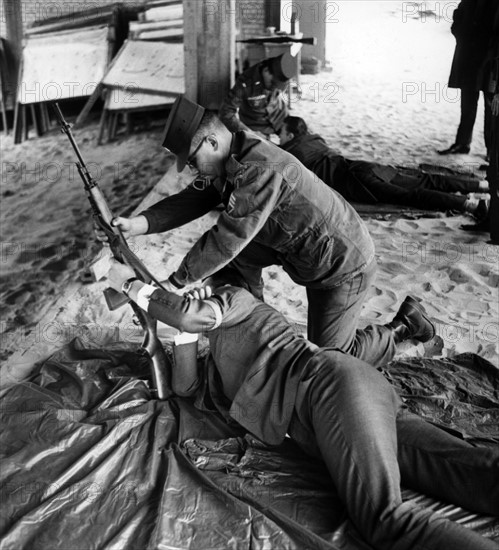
(118, 274)
(130, 227)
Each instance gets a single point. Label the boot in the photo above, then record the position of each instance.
(412, 322)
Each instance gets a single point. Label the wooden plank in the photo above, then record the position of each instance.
(45, 116)
(4, 118)
(17, 111)
(212, 64)
(129, 100)
(101, 15)
(192, 17)
(102, 125)
(88, 105)
(2, 98)
(167, 34)
(63, 66)
(24, 123)
(17, 124)
(153, 67)
(164, 13)
(135, 26)
(34, 119)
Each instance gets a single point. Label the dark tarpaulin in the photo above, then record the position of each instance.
(90, 460)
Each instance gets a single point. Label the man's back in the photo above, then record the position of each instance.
(273, 200)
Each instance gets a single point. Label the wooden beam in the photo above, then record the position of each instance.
(209, 48)
(13, 14)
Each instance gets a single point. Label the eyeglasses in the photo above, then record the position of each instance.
(191, 160)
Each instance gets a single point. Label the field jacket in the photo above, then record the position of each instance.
(272, 199)
(249, 105)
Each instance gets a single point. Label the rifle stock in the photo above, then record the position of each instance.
(151, 346)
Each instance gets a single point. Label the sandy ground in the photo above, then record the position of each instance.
(385, 99)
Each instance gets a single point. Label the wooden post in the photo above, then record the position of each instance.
(14, 34)
(315, 19)
(209, 47)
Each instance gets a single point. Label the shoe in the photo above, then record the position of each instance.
(455, 150)
(482, 211)
(480, 227)
(411, 322)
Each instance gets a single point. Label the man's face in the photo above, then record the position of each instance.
(284, 135)
(268, 79)
(205, 157)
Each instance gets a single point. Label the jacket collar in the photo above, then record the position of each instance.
(241, 143)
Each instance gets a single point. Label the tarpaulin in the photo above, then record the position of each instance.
(91, 460)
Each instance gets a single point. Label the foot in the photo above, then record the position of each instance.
(482, 211)
(411, 322)
(455, 150)
(480, 227)
(478, 208)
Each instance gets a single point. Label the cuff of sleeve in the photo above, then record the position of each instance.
(174, 282)
(144, 295)
(151, 225)
(217, 311)
(185, 338)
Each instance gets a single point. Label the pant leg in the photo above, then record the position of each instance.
(449, 183)
(441, 465)
(469, 103)
(351, 410)
(493, 177)
(418, 197)
(248, 266)
(488, 122)
(333, 316)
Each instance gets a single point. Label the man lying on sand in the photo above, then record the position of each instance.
(369, 182)
(275, 216)
(334, 406)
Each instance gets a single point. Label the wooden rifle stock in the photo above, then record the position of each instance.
(160, 365)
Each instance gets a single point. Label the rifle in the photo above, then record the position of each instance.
(151, 346)
(312, 41)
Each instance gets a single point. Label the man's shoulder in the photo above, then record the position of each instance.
(249, 148)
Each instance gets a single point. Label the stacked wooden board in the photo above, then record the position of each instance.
(64, 58)
(148, 71)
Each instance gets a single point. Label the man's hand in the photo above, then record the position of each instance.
(130, 227)
(118, 274)
(199, 293)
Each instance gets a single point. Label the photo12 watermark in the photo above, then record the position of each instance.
(436, 12)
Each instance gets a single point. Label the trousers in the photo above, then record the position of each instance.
(350, 416)
(493, 174)
(469, 105)
(429, 191)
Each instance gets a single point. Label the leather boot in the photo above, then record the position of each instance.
(411, 322)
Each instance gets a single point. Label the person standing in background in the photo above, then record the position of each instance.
(491, 92)
(473, 29)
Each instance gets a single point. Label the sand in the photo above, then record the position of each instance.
(385, 99)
